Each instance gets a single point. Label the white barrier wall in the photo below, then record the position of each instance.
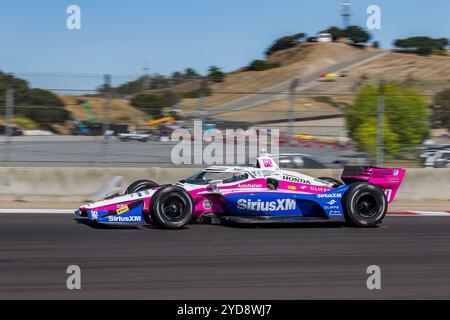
(80, 184)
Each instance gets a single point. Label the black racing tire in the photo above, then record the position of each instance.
(365, 205)
(336, 183)
(172, 208)
(141, 185)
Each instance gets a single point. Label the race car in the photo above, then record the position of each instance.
(263, 193)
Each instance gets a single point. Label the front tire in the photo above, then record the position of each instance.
(365, 205)
(172, 208)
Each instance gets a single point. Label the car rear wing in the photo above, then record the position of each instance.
(389, 179)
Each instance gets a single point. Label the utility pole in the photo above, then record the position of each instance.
(380, 125)
(292, 88)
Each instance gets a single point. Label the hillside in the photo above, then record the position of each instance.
(121, 112)
(429, 74)
(304, 59)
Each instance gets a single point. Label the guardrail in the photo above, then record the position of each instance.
(83, 184)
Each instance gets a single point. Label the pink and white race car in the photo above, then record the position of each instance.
(260, 194)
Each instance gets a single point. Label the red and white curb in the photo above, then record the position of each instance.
(72, 211)
(420, 214)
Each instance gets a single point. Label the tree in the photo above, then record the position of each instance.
(154, 104)
(357, 34)
(406, 119)
(191, 74)
(285, 42)
(365, 136)
(41, 106)
(354, 33)
(441, 109)
(422, 45)
(215, 75)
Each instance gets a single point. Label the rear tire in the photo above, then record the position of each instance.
(141, 185)
(365, 205)
(172, 208)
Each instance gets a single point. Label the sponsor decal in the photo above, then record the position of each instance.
(319, 189)
(267, 163)
(292, 187)
(396, 172)
(331, 202)
(259, 205)
(295, 179)
(122, 210)
(94, 215)
(250, 185)
(124, 219)
(329, 195)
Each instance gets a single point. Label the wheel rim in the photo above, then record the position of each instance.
(367, 205)
(174, 207)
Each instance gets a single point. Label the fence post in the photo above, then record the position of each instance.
(380, 125)
(292, 88)
(9, 114)
(202, 113)
(106, 118)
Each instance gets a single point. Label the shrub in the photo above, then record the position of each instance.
(154, 104)
(422, 45)
(285, 43)
(215, 75)
(261, 65)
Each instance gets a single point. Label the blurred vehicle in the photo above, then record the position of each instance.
(305, 161)
(133, 136)
(442, 159)
(435, 156)
(14, 131)
(328, 77)
(298, 161)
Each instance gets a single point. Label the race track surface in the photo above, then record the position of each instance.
(220, 262)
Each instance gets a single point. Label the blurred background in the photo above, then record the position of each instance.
(339, 94)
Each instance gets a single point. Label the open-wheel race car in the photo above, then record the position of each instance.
(260, 194)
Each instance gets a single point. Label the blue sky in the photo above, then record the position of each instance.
(119, 37)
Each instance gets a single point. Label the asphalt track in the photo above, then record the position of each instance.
(220, 262)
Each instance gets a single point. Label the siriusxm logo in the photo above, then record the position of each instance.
(124, 219)
(329, 195)
(259, 205)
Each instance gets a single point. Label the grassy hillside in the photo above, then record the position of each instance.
(427, 74)
(121, 112)
(304, 58)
